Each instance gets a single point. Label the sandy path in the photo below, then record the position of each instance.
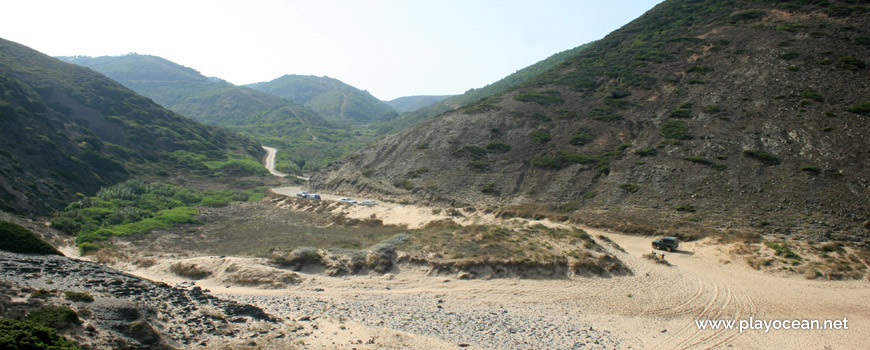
(269, 161)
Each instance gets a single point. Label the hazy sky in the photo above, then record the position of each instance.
(390, 48)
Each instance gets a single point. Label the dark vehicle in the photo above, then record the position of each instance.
(666, 243)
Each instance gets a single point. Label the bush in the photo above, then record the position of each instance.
(852, 63)
(540, 136)
(26, 335)
(812, 170)
(712, 109)
(498, 147)
(542, 98)
(860, 108)
(630, 188)
(582, 137)
(813, 95)
(17, 239)
(82, 297)
(790, 55)
(762, 156)
(404, 184)
(698, 160)
(545, 162)
(56, 317)
(189, 271)
(475, 152)
(478, 166)
(748, 15)
(413, 174)
(490, 189)
(685, 208)
(645, 152)
(676, 130)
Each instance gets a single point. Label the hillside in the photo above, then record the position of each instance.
(67, 130)
(714, 115)
(303, 135)
(331, 98)
(406, 104)
(425, 112)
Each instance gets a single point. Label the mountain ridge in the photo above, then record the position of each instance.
(717, 114)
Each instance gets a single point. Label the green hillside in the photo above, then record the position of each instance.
(418, 115)
(331, 98)
(697, 116)
(406, 104)
(304, 138)
(67, 130)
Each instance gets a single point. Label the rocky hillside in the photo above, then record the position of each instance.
(65, 130)
(412, 103)
(331, 98)
(717, 114)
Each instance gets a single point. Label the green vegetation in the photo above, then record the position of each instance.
(646, 152)
(712, 109)
(812, 170)
(852, 63)
(478, 166)
(545, 98)
(685, 208)
(783, 250)
(791, 27)
(605, 114)
(189, 270)
(498, 147)
(474, 152)
(583, 136)
(56, 317)
(860, 108)
(19, 335)
(136, 206)
(540, 136)
(80, 297)
(545, 162)
(490, 189)
(630, 188)
(813, 95)
(684, 111)
(17, 239)
(676, 130)
(413, 174)
(762, 156)
(748, 15)
(790, 55)
(405, 184)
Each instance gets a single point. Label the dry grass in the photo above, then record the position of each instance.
(189, 270)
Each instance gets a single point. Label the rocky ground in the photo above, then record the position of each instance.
(131, 312)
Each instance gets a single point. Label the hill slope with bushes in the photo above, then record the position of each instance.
(67, 130)
(717, 115)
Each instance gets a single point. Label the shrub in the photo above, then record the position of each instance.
(676, 130)
(545, 162)
(783, 250)
(540, 136)
(812, 170)
(813, 95)
(852, 63)
(712, 109)
(682, 113)
(56, 317)
(747, 15)
(630, 188)
(685, 208)
(478, 166)
(82, 297)
(413, 174)
(762, 156)
(700, 69)
(298, 258)
(27, 335)
(189, 271)
(17, 239)
(790, 55)
(698, 160)
(490, 189)
(645, 152)
(791, 27)
(404, 184)
(545, 98)
(475, 152)
(582, 137)
(498, 147)
(860, 108)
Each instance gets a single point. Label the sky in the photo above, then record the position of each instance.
(391, 48)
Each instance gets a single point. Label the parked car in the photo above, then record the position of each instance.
(666, 243)
(302, 194)
(313, 196)
(347, 200)
(368, 202)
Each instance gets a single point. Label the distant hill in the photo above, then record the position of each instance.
(412, 103)
(67, 130)
(751, 116)
(415, 116)
(301, 134)
(331, 98)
